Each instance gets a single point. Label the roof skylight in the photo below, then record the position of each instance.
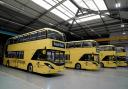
(60, 14)
(87, 18)
(89, 4)
(67, 9)
(44, 4)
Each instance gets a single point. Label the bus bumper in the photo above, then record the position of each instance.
(54, 71)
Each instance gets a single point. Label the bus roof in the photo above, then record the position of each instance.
(121, 47)
(106, 46)
(39, 30)
(82, 41)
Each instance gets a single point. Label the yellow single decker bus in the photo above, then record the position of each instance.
(121, 56)
(83, 55)
(41, 51)
(107, 55)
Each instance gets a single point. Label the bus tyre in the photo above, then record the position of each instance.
(30, 68)
(77, 66)
(101, 65)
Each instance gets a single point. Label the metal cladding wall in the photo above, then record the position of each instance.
(119, 42)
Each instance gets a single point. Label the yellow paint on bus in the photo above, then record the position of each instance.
(39, 51)
(83, 55)
(107, 56)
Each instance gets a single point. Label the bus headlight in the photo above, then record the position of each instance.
(50, 66)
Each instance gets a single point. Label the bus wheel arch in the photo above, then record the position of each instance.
(77, 66)
(30, 67)
(101, 65)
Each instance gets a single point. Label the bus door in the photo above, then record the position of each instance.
(38, 60)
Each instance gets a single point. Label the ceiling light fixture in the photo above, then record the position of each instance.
(51, 23)
(124, 33)
(122, 25)
(118, 5)
(107, 13)
(92, 30)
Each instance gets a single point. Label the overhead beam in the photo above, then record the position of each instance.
(73, 2)
(97, 26)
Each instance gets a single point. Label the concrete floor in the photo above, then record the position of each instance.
(11, 78)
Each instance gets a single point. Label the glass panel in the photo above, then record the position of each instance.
(41, 35)
(38, 55)
(91, 5)
(55, 35)
(87, 57)
(88, 18)
(90, 44)
(120, 49)
(107, 48)
(49, 55)
(70, 45)
(66, 11)
(55, 56)
(121, 58)
(47, 4)
(78, 44)
(101, 5)
(109, 58)
(60, 14)
(72, 7)
(81, 3)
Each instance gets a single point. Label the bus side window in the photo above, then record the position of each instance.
(21, 39)
(34, 36)
(71, 45)
(85, 44)
(84, 57)
(30, 37)
(78, 44)
(106, 58)
(38, 55)
(27, 38)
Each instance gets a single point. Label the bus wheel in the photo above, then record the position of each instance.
(101, 65)
(7, 64)
(77, 66)
(30, 68)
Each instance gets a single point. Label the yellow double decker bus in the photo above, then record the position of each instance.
(41, 51)
(107, 55)
(83, 55)
(121, 56)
